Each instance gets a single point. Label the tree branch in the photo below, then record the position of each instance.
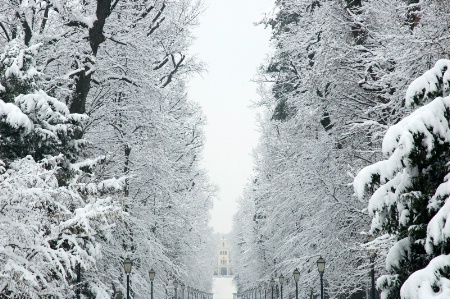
(161, 64)
(156, 20)
(44, 20)
(177, 65)
(26, 28)
(76, 24)
(4, 30)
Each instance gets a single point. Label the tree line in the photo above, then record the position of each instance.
(100, 149)
(352, 160)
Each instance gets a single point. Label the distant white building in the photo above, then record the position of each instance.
(223, 265)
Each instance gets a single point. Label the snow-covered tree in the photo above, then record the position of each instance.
(331, 89)
(408, 191)
(32, 123)
(125, 65)
(48, 230)
(53, 212)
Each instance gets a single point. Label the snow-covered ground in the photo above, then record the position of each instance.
(223, 287)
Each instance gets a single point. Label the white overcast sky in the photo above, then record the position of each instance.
(232, 48)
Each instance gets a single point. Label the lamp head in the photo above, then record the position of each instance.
(151, 274)
(321, 265)
(127, 264)
(272, 282)
(281, 278)
(296, 275)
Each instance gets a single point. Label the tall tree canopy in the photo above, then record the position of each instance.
(94, 114)
(333, 86)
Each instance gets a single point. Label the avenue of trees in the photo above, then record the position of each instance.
(352, 164)
(100, 149)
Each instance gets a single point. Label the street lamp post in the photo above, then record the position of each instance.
(151, 274)
(272, 284)
(321, 268)
(281, 279)
(127, 264)
(182, 290)
(175, 285)
(372, 274)
(373, 254)
(78, 267)
(296, 277)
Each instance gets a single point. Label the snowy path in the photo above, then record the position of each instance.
(223, 287)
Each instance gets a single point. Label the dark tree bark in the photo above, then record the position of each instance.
(413, 14)
(26, 28)
(358, 32)
(126, 169)
(96, 38)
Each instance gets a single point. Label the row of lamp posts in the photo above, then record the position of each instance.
(320, 268)
(191, 292)
(194, 293)
(127, 264)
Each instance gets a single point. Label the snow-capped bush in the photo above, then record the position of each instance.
(47, 229)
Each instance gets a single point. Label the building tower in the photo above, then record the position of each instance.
(223, 266)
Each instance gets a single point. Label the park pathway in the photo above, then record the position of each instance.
(223, 287)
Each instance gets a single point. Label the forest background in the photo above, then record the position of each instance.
(100, 149)
(341, 80)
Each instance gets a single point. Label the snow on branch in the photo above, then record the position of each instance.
(428, 121)
(14, 117)
(87, 164)
(438, 229)
(398, 253)
(113, 185)
(430, 282)
(42, 103)
(18, 61)
(47, 230)
(435, 82)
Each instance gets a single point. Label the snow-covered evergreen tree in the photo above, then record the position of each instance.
(47, 230)
(53, 213)
(32, 123)
(409, 194)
